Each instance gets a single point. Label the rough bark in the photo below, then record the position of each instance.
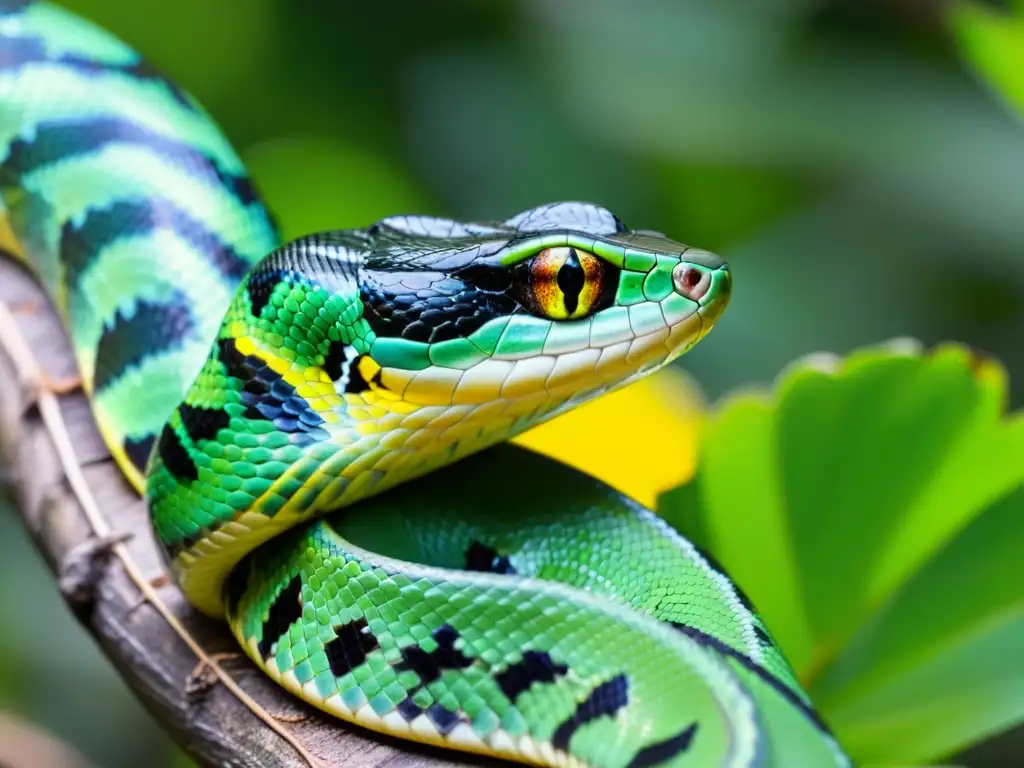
(210, 723)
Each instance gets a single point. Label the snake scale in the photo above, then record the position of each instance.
(320, 430)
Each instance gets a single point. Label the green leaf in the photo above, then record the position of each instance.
(992, 41)
(873, 509)
(940, 664)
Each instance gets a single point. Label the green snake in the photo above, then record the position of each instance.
(320, 430)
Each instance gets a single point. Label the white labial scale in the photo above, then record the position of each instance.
(507, 349)
(613, 356)
(527, 376)
(646, 318)
(572, 366)
(648, 345)
(483, 381)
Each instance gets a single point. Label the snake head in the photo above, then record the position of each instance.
(530, 315)
(420, 340)
(355, 360)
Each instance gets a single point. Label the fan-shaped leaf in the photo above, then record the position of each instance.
(873, 509)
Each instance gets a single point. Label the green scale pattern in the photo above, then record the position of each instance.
(501, 603)
(495, 622)
(238, 464)
(357, 615)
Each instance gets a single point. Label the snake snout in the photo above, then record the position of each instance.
(709, 285)
(700, 276)
(716, 299)
(691, 282)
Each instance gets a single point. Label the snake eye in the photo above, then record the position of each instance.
(567, 283)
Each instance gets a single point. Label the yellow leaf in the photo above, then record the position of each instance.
(641, 440)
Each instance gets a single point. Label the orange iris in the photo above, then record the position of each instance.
(565, 283)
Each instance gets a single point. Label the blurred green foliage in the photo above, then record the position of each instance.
(858, 162)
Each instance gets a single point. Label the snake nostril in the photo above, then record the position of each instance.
(691, 282)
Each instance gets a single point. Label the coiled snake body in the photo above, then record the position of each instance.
(501, 603)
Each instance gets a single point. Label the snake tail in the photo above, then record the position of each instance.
(320, 431)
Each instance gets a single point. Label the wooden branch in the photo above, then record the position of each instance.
(104, 581)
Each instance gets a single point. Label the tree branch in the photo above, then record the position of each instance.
(113, 579)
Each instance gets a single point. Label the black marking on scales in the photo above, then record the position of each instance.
(138, 449)
(63, 140)
(341, 364)
(284, 611)
(351, 644)
(152, 327)
(409, 709)
(604, 701)
(534, 667)
(663, 751)
(443, 718)
(716, 566)
(81, 244)
(260, 286)
(428, 306)
(763, 637)
(428, 665)
(709, 641)
(482, 558)
(325, 261)
(339, 354)
(202, 423)
(174, 456)
(19, 52)
(267, 396)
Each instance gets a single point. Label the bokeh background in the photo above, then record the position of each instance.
(858, 163)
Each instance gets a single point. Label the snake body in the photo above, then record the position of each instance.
(263, 396)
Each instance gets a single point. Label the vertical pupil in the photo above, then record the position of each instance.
(571, 280)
